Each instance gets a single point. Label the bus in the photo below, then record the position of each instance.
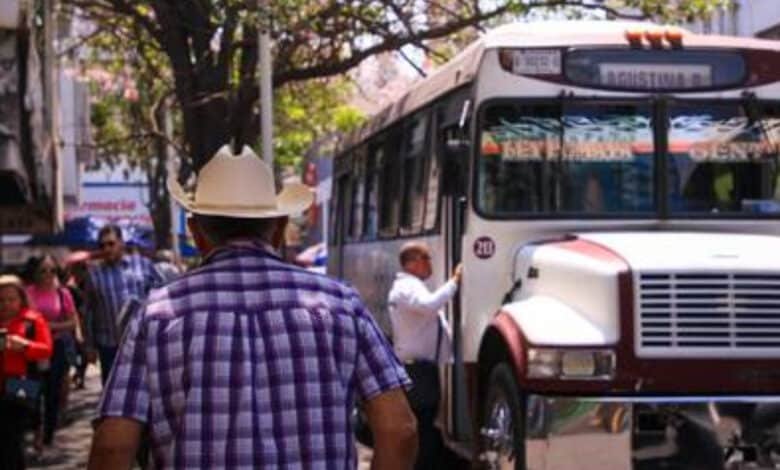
(611, 189)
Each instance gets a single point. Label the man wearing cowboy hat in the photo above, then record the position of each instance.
(247, 361)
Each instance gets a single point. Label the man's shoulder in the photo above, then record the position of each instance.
(260, 279)
(404, 281)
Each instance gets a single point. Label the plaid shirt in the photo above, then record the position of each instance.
(248, 362)
(108, 287)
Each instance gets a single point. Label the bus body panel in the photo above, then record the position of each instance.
(584, 278)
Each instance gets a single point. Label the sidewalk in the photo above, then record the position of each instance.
(72, 441)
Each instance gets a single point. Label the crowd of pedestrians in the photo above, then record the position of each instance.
(55, 319)
(251, 360)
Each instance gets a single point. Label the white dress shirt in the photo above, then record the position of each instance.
(415, 315)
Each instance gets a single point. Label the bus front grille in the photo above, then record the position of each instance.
(708, 314)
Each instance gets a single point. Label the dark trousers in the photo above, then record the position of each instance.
(106, 354)
(430, 453)
(424, 400)
(12, 427)
(53, 389)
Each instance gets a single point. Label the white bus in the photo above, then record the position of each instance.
(611, 189)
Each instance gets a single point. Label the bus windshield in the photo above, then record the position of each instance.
(723, 158)
(579, 158)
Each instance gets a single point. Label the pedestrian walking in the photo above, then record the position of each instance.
(115, 279)
(165, 263)
(55, 302)
(24, 339)
(421, 340)
(249, 361)
(76, 269)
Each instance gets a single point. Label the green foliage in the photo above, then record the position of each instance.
(310, 110)
(676, 11)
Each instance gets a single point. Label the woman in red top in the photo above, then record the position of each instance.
(17, 320)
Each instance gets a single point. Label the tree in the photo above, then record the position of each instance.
(132, 91)
(210, 45)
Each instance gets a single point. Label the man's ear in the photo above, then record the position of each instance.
(277, 238)
(201, 241)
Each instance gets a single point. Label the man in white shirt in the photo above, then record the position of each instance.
(421, 340)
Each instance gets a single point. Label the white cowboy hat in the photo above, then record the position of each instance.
(240, 186)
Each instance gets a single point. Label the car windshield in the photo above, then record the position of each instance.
(580, 158)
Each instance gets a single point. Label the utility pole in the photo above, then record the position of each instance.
(264, 73)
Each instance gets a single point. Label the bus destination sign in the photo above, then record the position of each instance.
(655, 76)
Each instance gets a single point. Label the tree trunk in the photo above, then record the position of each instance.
(159, 199)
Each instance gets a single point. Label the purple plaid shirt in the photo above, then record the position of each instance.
(249, 362)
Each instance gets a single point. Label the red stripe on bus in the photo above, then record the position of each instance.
(594, 250)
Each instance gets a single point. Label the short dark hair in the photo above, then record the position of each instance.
(34, 266)
(220, 230)
(410, 251)
(110, 228)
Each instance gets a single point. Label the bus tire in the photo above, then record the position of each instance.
(502, 430)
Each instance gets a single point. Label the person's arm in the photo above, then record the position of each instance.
(394, 429)
(124, 407)
(380, 379)
(420, 299)
(37, 348)
(115, 444)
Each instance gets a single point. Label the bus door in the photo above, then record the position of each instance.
(453, 144)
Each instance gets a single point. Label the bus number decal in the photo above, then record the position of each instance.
(484, 247)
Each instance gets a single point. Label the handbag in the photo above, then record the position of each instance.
(25, 390)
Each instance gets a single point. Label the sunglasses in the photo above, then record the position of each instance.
(106, 244)
(48, 270)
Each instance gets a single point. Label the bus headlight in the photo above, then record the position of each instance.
(549, 363)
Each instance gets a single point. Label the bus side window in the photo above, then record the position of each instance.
(389, 199)
(434, 183)
(413, 181)
(358, 194)
(339, 209)
(373, 172)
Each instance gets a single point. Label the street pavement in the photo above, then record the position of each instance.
(71, 441)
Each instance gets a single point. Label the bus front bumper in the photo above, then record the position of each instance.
(619, 433)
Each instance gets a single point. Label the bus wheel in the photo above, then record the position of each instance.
(503, 440)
